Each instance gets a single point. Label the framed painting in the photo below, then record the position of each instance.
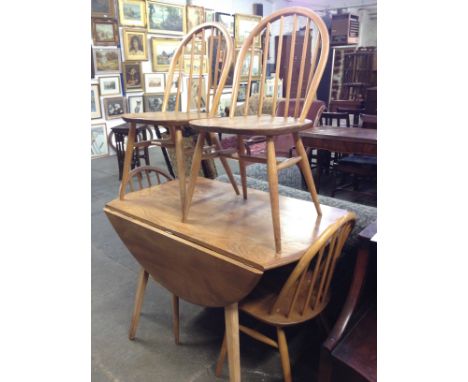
(209, 15)
(256, 66)
(95, 102)
(153, 102)
(105, 31)
(109, 85)
(133, 77)
(99, 145)
(224, 103)
(199, 48)
(241, 95)
(175, 83)
(162, 51)
(132, 13)
(106, 60)
(270, 86)
(154, 82)
(166, 18)
(195, 16)
(243, 26)
(102, 8)
(114, 107)
(227, 20)
(135, 47)
(135, 104)
(193, 104)
(254, 87)
(197, 61)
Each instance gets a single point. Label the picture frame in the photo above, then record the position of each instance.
(154, 82)
(242, 92)
(132, 13)
(227, 20)
(270, 86)
(199, 45)
(135, 45)
(132, 76)
(99, 145)
(197, 61)
(164, 18)
(254, 88)
(106, 60)
(109, 85)
(256, 67)
(153, 102)
(135, 104)
(96, 112)
(243, 26)
(192, 105)
(104, 31)
(102, 8)
(114, 107)
(209, 15)
(175, 83)
(162, 52)
(224, 103)
(195, 15)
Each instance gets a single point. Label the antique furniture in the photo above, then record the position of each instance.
(328, 117)
(344, 29)
(214, 259)
(282, 299)
(200, 44)
(270, 125)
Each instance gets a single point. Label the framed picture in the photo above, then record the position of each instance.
(254, 87)
(114, 107)
(105, 31)
(154, 82)
(199, 48)
(224, 103)
(270, 86)
(106, 60)
(241, 94)
(102, 8)
(133, 77)
(99, 145)
(95, 102)
(193, 104)
(135, 48)
(195, 16)
(227, 20)
(256, 66)
(243, 26)
(163, 50)
(166, 18)
(209, 15)
(135, 104)
(175, 83)
(132, 13)
(153, 102)
(110, 85)
(197, 61)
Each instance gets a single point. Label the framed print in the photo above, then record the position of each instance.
(199, 45)
(256, 66)
(154, 82)
(133, 77)
(99, 145)
(175, 83)
(193, 104)
(209, 15)
(110, 85)
(102, 8)
(163, 50)
(224, 103)
(153, 102)
(195, 16)
(132, 13)
(242, 92)
(95, 102)
(270, 86)
(254, 87)
(135, 104)
(166, 18)
(243, 26)
(197, 61)
(105, 31)
(106, 60)
(135, 48)
(114, 107)
(227, 20)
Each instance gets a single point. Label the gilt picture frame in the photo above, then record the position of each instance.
(132, 76)
(243, 26)
(132, 13)
(164, 18)
(162, 53)
(135, 45)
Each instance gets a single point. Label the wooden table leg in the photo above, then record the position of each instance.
(128, 159)
(231, 316)
(179, 151)
(273, 186)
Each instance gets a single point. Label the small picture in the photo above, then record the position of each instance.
(163, 50)
(175, 82)
(227, 20)
(132, 13)
(99, 145)
(106, 60)
(254, 87)
(114, 107)
(109, 85)
(102, 8)
(193, 105)
(199, 48)
(256, 66)
(270, 86)
(241, 94)
(153, 102)
(154, 82)
(209, 15)
(166, 18)
(224, 103)
(95, 102)
(135, 104)
(132, 76)
(244, 25)
(197, 62)
(195, 16)
(105, 31)
(135, 45)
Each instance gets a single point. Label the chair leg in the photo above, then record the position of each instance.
(221, 358)
(175, 318)
(225, 164)
(284, 354)
(142, 281)
(243, 175)
(273, 186)
(179, 151)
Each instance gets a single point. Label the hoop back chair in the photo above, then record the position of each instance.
(301, 297)
(140, 178)
(200, 44)
(315, 46)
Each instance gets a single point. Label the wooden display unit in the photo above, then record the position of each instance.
(344, 29)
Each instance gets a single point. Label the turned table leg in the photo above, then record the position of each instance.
(231, 315)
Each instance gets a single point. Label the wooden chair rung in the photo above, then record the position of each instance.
(258, 336)
(288, 163)
(253, 159)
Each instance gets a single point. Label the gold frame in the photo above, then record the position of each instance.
(124, 22)
(238, 17)
(245, 77)
(166, 31)
(133, 88)
(161, 41)
(198, 9)
(135, 57)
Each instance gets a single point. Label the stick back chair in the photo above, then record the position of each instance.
(138, 179)
(316, 46)
(301, 297)
(194, 55)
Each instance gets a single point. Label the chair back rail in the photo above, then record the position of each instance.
(140, 174)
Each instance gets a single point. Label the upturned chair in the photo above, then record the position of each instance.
(140, 178)
(207, 43)
(315, 47)
(296, 297)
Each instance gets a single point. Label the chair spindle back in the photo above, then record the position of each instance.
(145, 177)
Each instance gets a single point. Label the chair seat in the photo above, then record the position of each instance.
(265, 125)
(166, 117)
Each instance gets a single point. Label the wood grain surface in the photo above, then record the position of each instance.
(166, 117)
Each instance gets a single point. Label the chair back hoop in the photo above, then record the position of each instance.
(306, 289)
(138, 173)
(316, 70)
(218, 32)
